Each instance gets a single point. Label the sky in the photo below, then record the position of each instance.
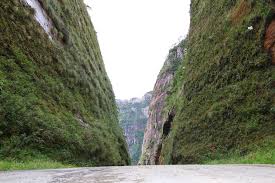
(135, 37)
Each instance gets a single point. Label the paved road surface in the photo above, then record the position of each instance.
(147, 174)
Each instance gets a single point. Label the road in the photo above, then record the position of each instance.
(147, 174)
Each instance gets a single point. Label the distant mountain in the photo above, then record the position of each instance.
(133, 118)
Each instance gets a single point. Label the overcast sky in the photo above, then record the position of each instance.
(135, 37)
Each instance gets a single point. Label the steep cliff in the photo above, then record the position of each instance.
(56, 100)
(158, 124)
(133, 118)
(222, 98)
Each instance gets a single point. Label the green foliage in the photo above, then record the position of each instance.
(33, 164)
(264, 154)
(133, 121)
(55, 96)
(30, 159)
(222, 92)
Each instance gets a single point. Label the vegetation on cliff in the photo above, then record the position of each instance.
(56, 100)
(133, 116)
(223, 93)
(158, 122)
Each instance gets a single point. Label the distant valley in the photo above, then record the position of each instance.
(133, 116)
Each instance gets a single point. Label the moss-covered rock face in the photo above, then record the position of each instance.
(223, 93)
(55, 97)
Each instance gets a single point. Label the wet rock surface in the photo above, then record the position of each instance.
(146, 174)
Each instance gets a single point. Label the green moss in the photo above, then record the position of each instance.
(31, 165)
(261, 154)
(55, 95)
(222, 91)
(30, 161)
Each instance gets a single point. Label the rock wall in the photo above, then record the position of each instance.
(223, 94)
(56, 99)
(158, 121)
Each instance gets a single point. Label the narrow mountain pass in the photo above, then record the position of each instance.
(148, 174)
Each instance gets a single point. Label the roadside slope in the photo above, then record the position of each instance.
(220, 105)
(56, 99)
(223, 92)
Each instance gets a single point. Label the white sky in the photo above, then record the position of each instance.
(135, 37)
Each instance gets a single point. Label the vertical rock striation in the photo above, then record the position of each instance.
(159, 121)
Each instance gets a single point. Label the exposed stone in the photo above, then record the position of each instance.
(269, 43)
(156, 128)
(41, 16)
